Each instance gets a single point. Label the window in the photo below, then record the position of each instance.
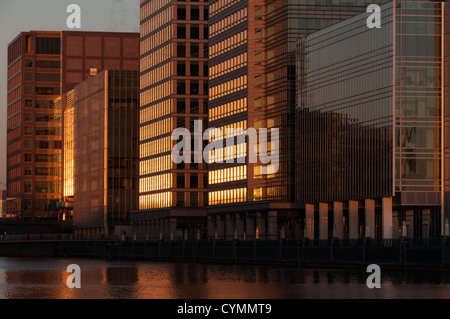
(181, 87)
(27, 186)
(193, 181)
(194, 199)
(194, 69)
(194, 88)
(181, 31)
(28, 144)
(180, 181)
(205, 69)
(28, 157)
(28, 130)
(205, 32)
(181, 13)
(258, 35)
(258, 12)
(28, 63)
(28, 90)
(28, 76)
(195, 50)
(180, 199)
(28, 117)
(28, 103)
(28, 171)
(205, 13)
(181, 106)
(181, 68)
(181, 50)
(48, 45)
(194, 106)
(195, 31)
(180, 122)
(195, 13)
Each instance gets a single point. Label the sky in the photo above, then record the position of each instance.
(51, 15)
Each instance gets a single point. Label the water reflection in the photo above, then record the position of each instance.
(22, 278)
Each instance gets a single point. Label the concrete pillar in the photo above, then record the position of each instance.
(239, 224)
(369, 206)
(386, 213)
(173, 227)
(261, 224)
(323, 221)
(338, 225)
(272, 225)
(211, 226)
(229, 227)
(220, 226)
(250, 227)
(353, 228)
(309, 221)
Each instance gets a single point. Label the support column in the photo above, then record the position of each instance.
(369, 205)
(338, 225)
(261, 225)
(211, 227)
(272, 225)
(220, 226)
(353, 231)
(229, 227)
(309, 221)
(323, 221)
(386, 213)
(239, 224)
(173, 228)
(250, 227)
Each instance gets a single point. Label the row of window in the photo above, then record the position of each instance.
(152, 6)
(158, 92)
(235, 153)
(229, 130)
(193, 106)
(228, 44)
(194, 50)
(155, 57)
(155, 147)
(42, 187)
(228, 109)
(228, 22)
(194, 31)
(220, 5)
(43, 130)
(154, 165)
(194, 69)
(156, 39)
(42, 171)
(229, 174)
(43, 144)
(193, 180)
(156, 75)
(195, 13)
(158, 200)
(43, 77)
(194, 87)
(43, 117)
(155, 183)
(154, 129)
(156, 21)
(155, 111)
(229, 65)
(227, 196)
(228, 87)
(43, 158)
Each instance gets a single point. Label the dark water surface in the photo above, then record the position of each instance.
(22, 278)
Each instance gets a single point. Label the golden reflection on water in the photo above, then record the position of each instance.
(22, 278)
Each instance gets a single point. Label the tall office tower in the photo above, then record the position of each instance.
(43, 65)
(101, 151)
(252, 85)
(370, 125)
(174, 85)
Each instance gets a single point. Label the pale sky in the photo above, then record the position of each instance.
(50, 15)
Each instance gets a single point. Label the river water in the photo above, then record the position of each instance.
(45, 278)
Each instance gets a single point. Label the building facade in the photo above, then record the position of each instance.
(370, 125)
(174, 85)
(42, 66)
(101, 151)
(252, 76)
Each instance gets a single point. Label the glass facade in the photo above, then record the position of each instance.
(369, 118)
(105, 149)
(252, 84)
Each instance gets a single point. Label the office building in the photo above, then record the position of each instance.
(174, 85)
(101, 152)
(252, 85)
(43, 65)
(370, 126)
